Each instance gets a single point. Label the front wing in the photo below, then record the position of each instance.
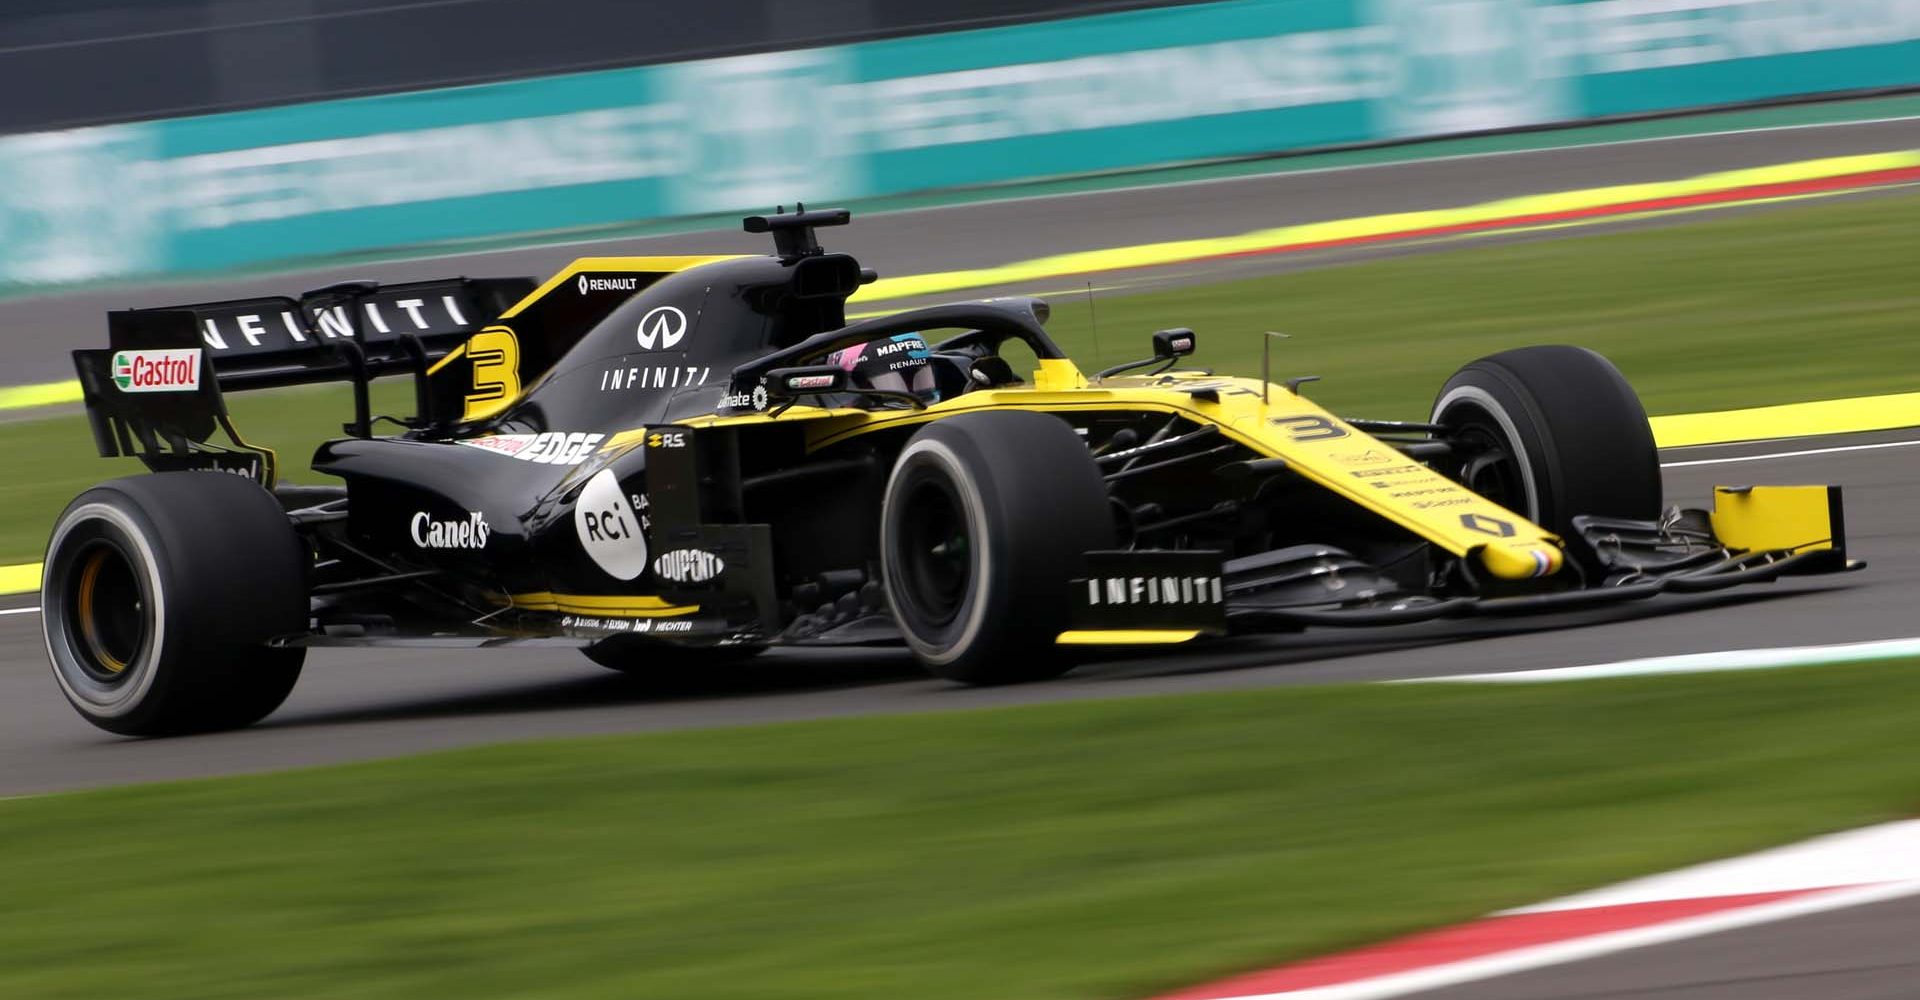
(1753, 534)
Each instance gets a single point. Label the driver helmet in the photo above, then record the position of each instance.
(893, 364)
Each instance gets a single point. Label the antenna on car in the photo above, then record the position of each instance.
(793, 236)
(1093, 320)
(1266, 363)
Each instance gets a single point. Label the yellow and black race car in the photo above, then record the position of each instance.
(675, 461)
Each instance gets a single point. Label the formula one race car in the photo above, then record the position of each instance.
(678, 461)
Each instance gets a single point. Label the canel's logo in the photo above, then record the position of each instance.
(662, 326)
(471, 533)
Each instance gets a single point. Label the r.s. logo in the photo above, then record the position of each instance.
(609, 528)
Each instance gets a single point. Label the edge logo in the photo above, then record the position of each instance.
(171, 370)
(471, 533)
(663, 326)
(609, 529)
(550, 448)
(688, 566)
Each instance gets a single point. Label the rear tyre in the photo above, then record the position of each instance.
(161, 592)
(1553, 432)
(986, 518)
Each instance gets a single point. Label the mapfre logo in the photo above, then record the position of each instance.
(661, 328)
(609, 529)
(175, 370)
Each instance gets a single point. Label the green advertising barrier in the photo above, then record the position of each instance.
(1090, 94)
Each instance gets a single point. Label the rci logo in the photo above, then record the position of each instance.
(662, 326)
(1487, 525)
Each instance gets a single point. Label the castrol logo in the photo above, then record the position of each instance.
(175, 370)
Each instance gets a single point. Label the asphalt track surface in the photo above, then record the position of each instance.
(360, 704)
(41, 330)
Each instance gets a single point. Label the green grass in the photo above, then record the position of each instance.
(1809, 302)
(1086, 850)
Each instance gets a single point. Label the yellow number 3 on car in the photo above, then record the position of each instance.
(494, 354)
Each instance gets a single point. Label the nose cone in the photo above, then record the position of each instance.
(1523, 561)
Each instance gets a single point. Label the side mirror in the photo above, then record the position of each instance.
(1168, 346)
(1175, 343)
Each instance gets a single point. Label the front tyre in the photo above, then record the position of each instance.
(985, 520)
(161, 593)
(1552, 432)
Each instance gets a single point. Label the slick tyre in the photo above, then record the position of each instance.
(985, 520)
(1553, 432)
(161, 592)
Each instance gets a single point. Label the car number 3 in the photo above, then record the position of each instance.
(1310, 428)
(495, 356)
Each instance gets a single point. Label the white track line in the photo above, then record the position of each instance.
(19, 611)
(1786, 454)
(1560, 953)
(1873, 855)
(1697, 663)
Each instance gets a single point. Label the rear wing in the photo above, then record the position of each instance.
(156, 392)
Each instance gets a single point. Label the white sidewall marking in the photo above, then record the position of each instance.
(976, 524)
(1483, 399)
(124, 699)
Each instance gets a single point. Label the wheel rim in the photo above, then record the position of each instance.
(109, 626)
(1491, 470)
(936, 551)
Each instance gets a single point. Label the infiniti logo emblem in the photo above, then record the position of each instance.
(662, 327)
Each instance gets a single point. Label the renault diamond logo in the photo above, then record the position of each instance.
(583, 284)
(662, 327)
(1486, 525)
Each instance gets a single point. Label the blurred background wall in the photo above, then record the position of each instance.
(83, 62)
(901, 102)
